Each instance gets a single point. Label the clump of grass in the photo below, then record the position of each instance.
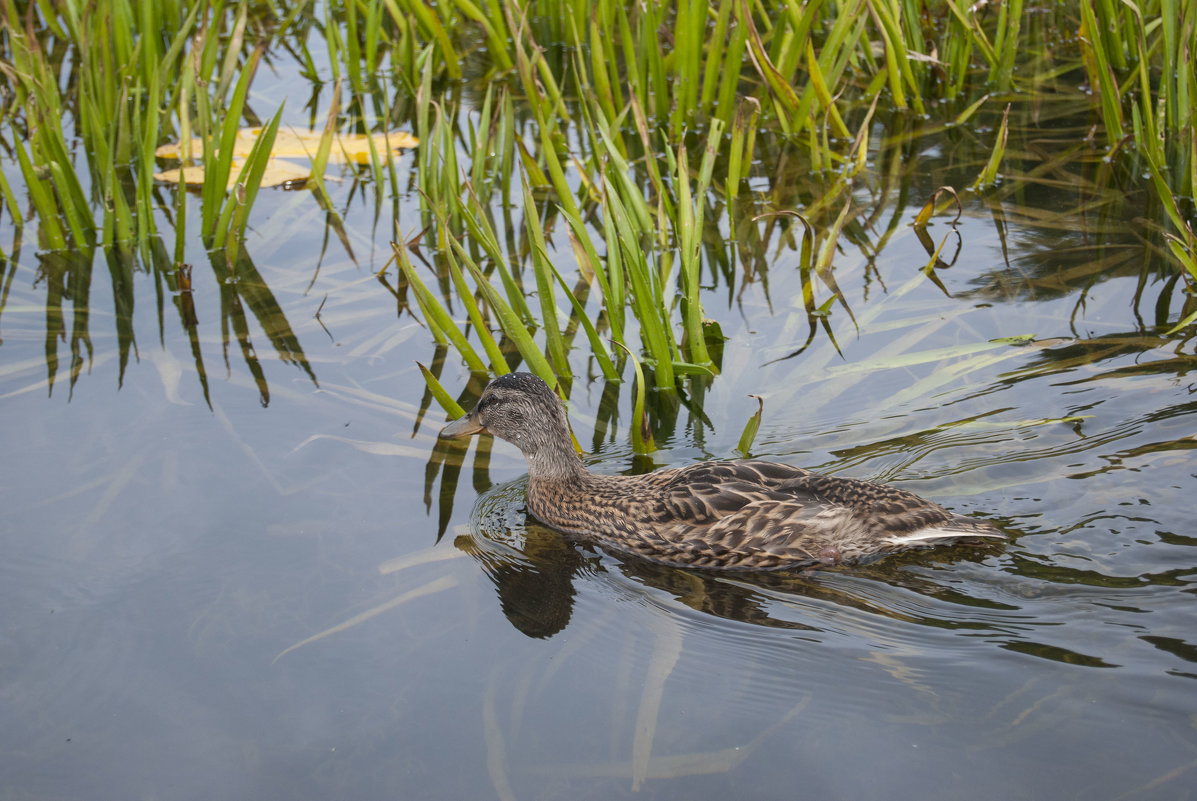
(593, 135)
(1140, 58)
(803, 70)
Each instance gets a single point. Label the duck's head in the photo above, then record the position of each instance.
(520, 408)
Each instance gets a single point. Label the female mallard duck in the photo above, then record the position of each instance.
(742, 515)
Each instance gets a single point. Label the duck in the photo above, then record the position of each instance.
(734, 515)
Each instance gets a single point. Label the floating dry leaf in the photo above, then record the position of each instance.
(303, 144)
(277, 173)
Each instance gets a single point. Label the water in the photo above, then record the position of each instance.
(276, 584)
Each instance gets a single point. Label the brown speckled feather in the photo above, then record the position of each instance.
(743, 515)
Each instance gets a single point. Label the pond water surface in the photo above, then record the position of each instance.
(171, 543)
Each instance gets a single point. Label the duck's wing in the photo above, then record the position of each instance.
(766, 534)
(701, 494)
(899, 517)
(760, 515)
(707, 514)
(713, 491)
(773, 534)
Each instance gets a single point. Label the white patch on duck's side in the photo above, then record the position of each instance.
(926, 535)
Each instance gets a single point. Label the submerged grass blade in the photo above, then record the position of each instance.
(437, 585)
(927, 356)
(665, 655)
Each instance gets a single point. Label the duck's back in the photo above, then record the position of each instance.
(747, 515)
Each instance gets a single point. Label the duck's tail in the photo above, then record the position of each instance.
(958, 528)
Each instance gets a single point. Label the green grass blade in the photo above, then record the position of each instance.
(514, 328)
(642, 433)
(451, 406)
(544, 285)
(435, 312)
(744, 446)
(989, 175)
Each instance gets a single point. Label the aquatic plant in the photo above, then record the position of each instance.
(648, 140)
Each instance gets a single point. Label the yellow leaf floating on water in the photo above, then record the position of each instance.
(304, 144)
(356, 147)
(277, 173)
(193, 176)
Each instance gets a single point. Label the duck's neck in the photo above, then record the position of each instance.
(556, 462)
(557, 481)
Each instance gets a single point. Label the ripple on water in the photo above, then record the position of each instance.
(769, 640)
(762, 635)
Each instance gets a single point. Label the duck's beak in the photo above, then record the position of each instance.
(462, 427)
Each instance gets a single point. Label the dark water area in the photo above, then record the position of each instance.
(268, 580)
